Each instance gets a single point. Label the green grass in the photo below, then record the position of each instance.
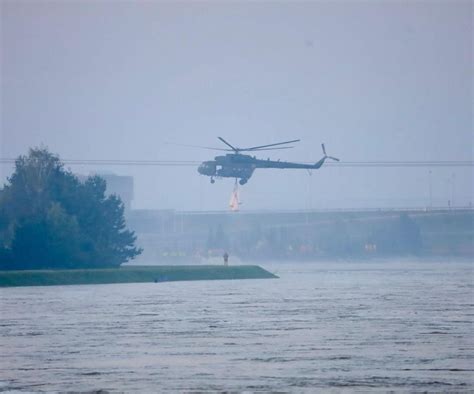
(131, 274)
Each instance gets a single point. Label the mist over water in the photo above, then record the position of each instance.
(367, 326)
(107, 84)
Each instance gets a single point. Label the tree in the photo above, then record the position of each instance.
(49, 219)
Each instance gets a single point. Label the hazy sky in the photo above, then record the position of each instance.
(374, 80)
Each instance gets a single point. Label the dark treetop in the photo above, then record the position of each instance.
(49, 219)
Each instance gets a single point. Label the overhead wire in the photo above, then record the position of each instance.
(193, 163)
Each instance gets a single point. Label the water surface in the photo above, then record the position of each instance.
(361, 326)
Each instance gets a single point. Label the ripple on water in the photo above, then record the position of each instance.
(360, 326)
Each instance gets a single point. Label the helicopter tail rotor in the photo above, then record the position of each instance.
(326, 156)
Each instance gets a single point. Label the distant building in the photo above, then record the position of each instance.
(121, 185)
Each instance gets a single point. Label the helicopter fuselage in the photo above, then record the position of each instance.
(236, 165)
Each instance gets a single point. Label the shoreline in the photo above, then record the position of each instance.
(131, 274)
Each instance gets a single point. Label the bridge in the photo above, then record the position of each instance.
(168, 235)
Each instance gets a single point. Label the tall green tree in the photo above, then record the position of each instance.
(49, 219)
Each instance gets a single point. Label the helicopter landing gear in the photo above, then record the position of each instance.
(213, 180)
(243, 181)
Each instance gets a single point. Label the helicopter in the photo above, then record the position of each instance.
(241, 166)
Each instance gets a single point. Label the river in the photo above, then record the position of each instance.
(397, 325)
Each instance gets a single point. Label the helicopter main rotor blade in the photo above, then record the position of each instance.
(265, 146)
(225, 142)
(196, 146)
(258, 150)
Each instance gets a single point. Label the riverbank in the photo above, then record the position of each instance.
(131, 274)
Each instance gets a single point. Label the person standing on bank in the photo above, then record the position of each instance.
(226, 258)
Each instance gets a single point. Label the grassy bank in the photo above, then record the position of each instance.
(131, 274)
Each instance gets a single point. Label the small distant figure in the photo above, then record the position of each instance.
(226, 258)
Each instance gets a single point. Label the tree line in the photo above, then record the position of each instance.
(49, 219)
